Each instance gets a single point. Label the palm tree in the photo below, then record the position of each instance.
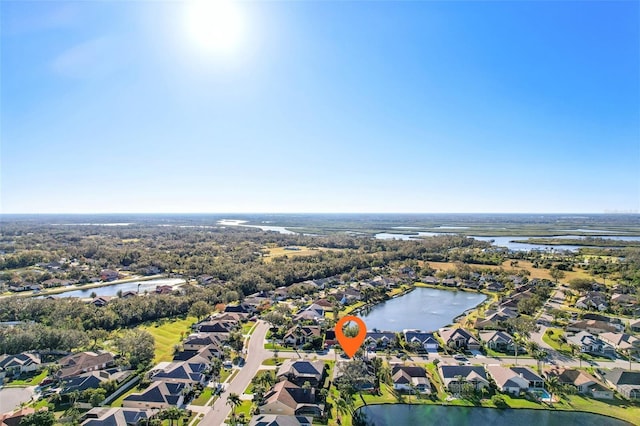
(582, 357)
(532, 347)
(234, 401)
(343, 406)
(630, 351)
(553, 385)
(539, 356)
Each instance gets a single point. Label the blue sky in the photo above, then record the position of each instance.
(504, 106)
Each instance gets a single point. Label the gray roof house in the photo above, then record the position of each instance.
(625, 382)
(474, 375)
(300, 371)
(158, 395)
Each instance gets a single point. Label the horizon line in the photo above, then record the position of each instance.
(612, 212)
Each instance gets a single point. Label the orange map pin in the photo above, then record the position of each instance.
(350, 345)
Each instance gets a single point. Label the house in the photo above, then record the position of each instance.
(158, 395)
(83, 362)
(635, 326)
(180, 372)
(515, 379)
(205, 354)
(92, 380)
(313, 313)
(449, 282)
(584, 382)
(15, 417)
(459, 338)
(454, 376)
(216, 326)
(495, 319)
(422, 339)
(625, 382)
(301, 371)
(24, 362)
(592, 326)
(408, 379)
(198, 341)
(277, 420)
(500, 341)
(430, 280)
(593, 300)
(495, 286)
(330, 338)
(588, 343)
(109, 275)
(100, 416)
(164, 289)
(101, 301)
(128, 294)
(621, 341)
(299, 335)
(242, 308)
(380, 339)
(290, 399)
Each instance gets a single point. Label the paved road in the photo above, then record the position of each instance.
(255, 356)
(11, 398)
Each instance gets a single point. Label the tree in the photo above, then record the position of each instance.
(171, 414)
(553, 385)
(234, 401)
(556, 274)
(98, 334)
(200, 309)
(39, 418)
(137, 345)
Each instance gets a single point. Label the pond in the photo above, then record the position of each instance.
(423, 308)
(402, 414)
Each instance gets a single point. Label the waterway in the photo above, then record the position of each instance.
(112, 290)
(423, 308)
(412, 415)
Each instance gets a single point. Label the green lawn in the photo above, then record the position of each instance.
(167, 334)
(31, 379)
(553, 340)
(247, 327)
(203, 397)
(118, 402)
(273, 361)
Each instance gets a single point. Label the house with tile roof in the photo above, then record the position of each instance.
(301, 371)
(410, 378)
(584, 382)
(158, 395)
(455, 376)
(287, 398)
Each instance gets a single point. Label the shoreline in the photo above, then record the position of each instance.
(89, 286)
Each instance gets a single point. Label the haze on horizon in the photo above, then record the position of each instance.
(250, 107)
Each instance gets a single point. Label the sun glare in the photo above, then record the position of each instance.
(215, 25)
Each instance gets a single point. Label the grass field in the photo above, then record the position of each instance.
(273, 252)
(539, 273)
(167, 334)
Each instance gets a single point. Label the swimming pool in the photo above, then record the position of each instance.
(541, 394)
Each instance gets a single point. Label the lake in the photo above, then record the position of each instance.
(112, 290)
(402, 414)
(423, 308)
